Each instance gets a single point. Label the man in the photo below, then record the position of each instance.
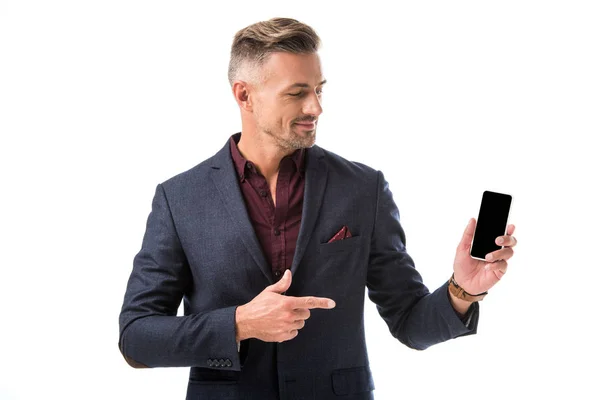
(273, 230)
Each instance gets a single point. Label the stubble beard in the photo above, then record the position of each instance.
(297, 138)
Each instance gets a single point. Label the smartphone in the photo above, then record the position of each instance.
(491, 223)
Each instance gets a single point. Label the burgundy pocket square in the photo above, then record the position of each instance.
(341, 234)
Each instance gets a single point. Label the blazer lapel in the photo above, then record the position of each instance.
(225, 180)
(314, 188)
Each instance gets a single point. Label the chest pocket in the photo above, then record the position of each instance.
(350, 244)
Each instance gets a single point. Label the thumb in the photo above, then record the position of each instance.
(467, 237)
(283, 284)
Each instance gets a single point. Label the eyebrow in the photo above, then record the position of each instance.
(305, 85)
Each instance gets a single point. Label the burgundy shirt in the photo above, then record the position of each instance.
(276, 225)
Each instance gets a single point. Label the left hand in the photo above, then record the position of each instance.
(476, 276)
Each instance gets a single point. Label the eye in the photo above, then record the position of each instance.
(319, 92)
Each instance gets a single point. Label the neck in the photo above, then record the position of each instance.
(264, 153)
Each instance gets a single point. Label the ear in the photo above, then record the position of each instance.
(241, 93)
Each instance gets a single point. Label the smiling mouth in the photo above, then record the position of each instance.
(307, 125)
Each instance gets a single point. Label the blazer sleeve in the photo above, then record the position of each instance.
(150, 332)
(416, 317)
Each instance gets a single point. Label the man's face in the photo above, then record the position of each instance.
(289, 96)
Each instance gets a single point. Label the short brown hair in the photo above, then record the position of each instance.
(253, 44)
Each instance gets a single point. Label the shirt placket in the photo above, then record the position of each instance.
(278, 232)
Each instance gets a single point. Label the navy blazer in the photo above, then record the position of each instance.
(200, 246)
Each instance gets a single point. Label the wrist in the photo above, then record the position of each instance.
(460, 294)
(240, 329)
(461, 306)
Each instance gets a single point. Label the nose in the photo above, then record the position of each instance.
(312, 106)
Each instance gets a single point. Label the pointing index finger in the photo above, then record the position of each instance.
(313, 302)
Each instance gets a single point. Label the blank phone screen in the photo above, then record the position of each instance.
(491, 223)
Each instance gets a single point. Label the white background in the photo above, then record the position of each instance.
(100, 101)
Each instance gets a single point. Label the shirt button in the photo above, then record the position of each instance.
(278, 273)
(277, 232)
(263, 193)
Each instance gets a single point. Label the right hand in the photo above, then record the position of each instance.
(273, 317)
